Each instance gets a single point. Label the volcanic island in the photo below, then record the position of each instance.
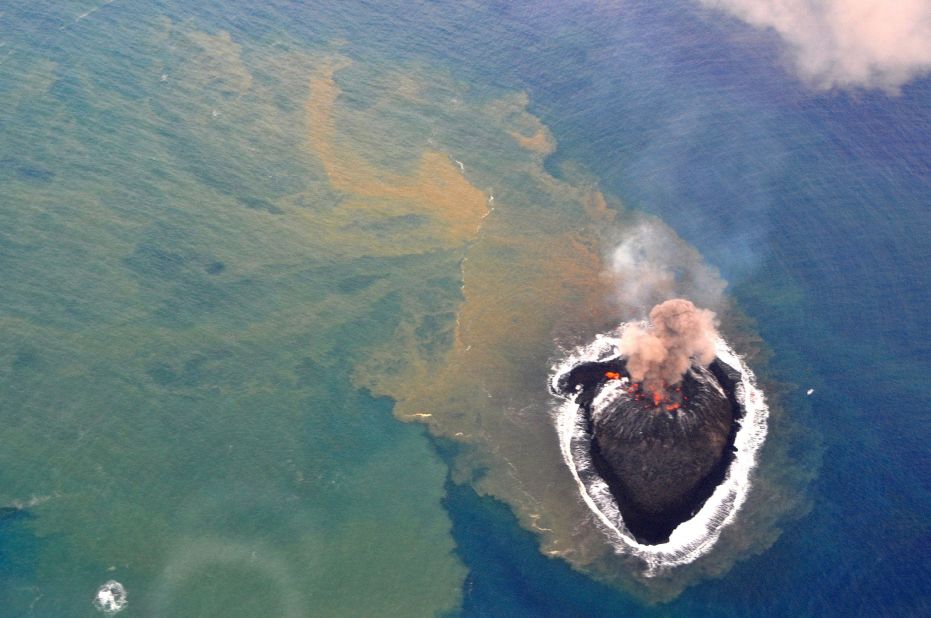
(662, 418)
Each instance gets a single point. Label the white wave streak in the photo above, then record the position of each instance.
(692, 538)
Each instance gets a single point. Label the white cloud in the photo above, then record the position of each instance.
(846, 43)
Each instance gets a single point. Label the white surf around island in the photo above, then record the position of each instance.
(696, 536)
(111, 597)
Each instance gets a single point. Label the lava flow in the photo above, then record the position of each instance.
(668, 397)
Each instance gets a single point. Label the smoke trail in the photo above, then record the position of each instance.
(846, 43)
(649, 264)
(679, 333)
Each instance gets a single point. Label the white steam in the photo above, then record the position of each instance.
(651, 264)
(846, 43)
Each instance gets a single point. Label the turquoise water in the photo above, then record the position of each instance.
(189, 322)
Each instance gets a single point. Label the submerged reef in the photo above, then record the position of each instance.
(661, 453)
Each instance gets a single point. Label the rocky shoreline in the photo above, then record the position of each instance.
(661, 454)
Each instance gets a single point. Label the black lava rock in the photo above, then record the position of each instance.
(661, 457)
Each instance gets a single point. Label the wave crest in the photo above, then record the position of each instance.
(696, 536)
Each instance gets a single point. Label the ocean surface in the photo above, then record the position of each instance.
(282, 284)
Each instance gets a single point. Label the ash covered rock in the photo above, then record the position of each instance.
(661, 453)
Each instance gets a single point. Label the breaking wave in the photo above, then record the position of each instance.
(696, 536)
(111, 597)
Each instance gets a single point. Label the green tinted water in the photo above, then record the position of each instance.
(177, 349)
(217, 255)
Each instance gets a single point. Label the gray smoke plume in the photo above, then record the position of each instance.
(678, 334)
(650, 264)
(846, 43)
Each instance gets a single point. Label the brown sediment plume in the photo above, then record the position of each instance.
(525, 129)
(435, 207)
(516, 287)
(660, 353)
(540, 142)
(494, 288)
(532, 275)
(530, 271)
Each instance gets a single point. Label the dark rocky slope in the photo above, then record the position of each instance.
(661, 455)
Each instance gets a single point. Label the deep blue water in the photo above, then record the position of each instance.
(814, 206)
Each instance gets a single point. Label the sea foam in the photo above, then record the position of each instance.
(111, 597)
(696, 536)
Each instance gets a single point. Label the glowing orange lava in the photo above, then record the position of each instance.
(670, 399)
